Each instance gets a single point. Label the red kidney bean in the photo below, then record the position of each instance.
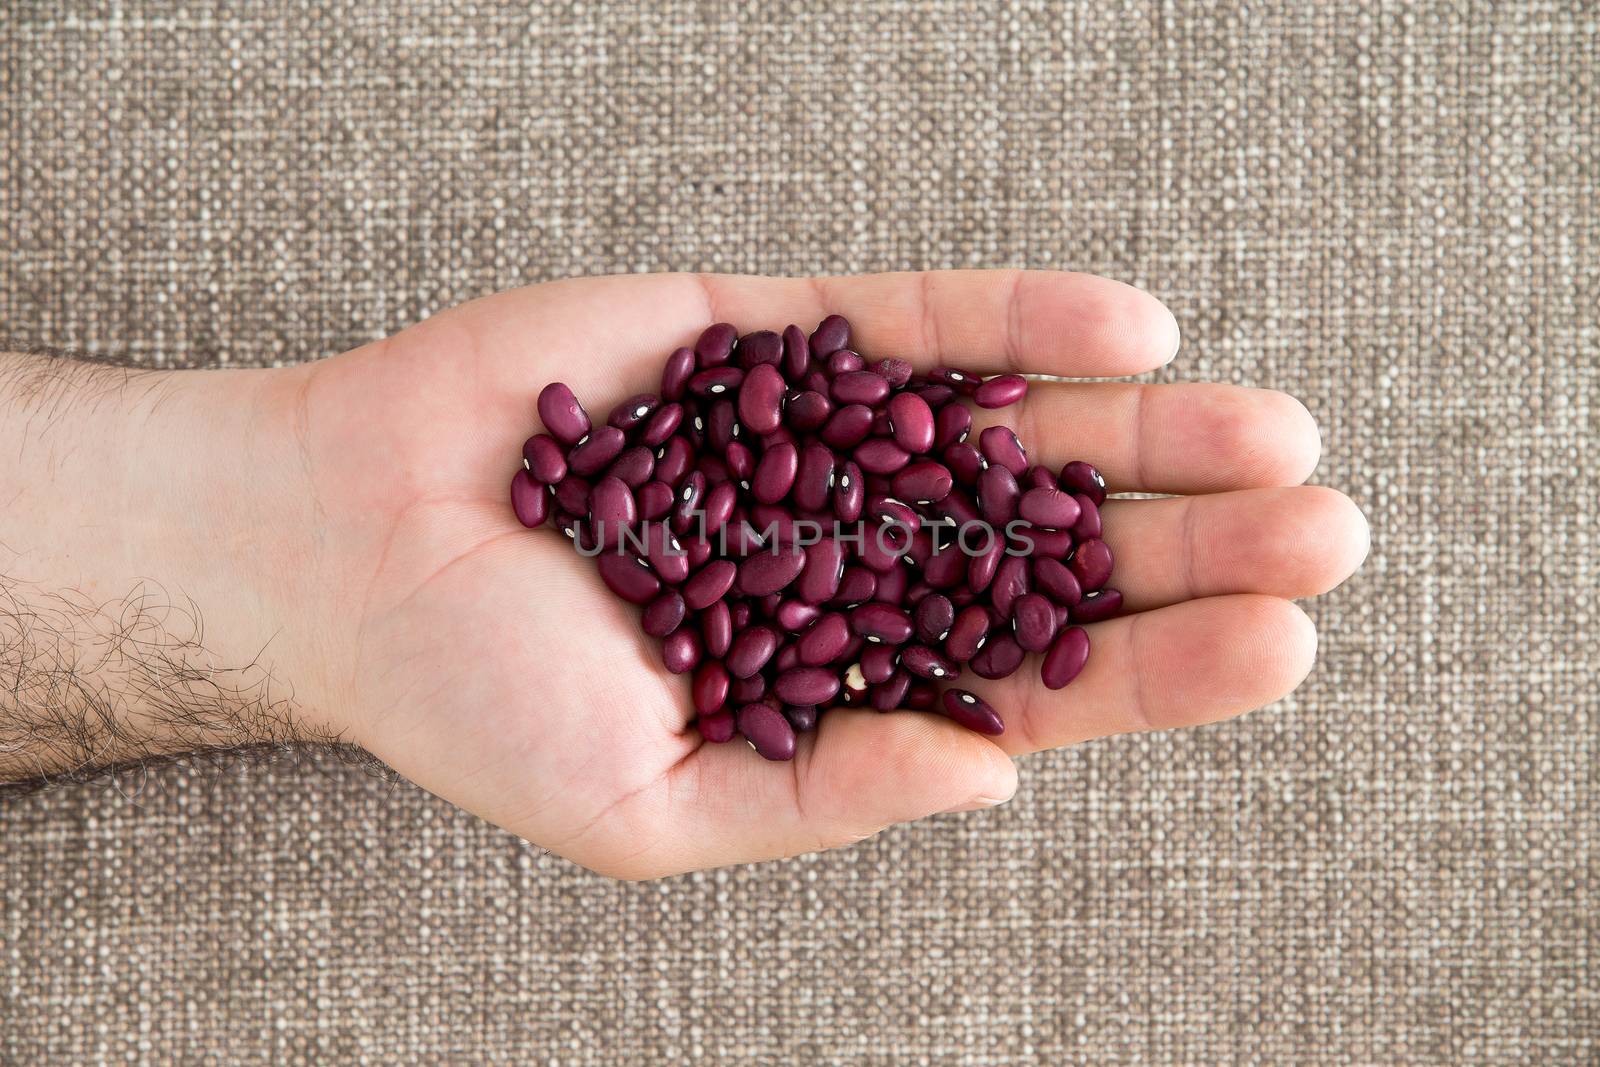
(1054, 579)
(807, 410)
(1033, 619)
(709, 584)
(628, 577)
(788, 658)
(802, 717)
(924, 482)
(612, 510)
(1087, 528)
(934, 616)
(897, 372)
(675, 375)
(831, 334)
(1049, 508)
(1081, 477)
(529, 499)
(946, 568)
(973, 712)
(1046, 544)
(912, 422)
(796, 615)
(844, 361)
(967, 633)
(664, 614)
(722, 425)
(662, 425)
(591, 455)
(965, 462)
(715, 346)
(878, 663)
(673, 461)
(796, 353)
(633, 411)
(1010, 582)
(716, 381)
(716, 628)
(856, 586)
(959, 508)
(937, 395)
(951, 426)
(998, 495)
(718, 727)
(762, 348)
(814, 477)
(924, 662)
(848, 427)
(819, 577)
(761, 398)
(922, 696)
(698, 551)
(881, 623)
(892, 586)
(771, 572)
(958, 380)
(681, 650)
(1038, 477)
(1091, 564)
(989, 552)
(655, 500)
(825, 641)
(741, 612)
(751, 649)
(853, 685)
(1097, 606)
(998, 658)
(634, 466)
(806, 685)
(1000, 446)
(815, 380)
(849, 490)
(741, 463)
(1000, 391)
(776, 472)
(709, 687)
(543, 459)
(562, 415)
(1066, 658)
(892, 693)
(859, 387)
(686, 512)
(880, 456)
(717, 506)
(747, 690)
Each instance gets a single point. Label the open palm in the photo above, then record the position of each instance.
(490, 664)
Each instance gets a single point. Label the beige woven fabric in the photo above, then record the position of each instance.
(1388, 209)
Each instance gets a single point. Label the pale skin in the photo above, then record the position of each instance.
(343, 529)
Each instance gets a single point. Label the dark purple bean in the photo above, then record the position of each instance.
(662, 425)
(716, 628)
(781, 436)
(853, 685)
(819, 577)
(718, 727)
(998, 495)
(686, 512)
(1045, 544)
(922, 696)
(741, 462)
(740, 613)
(1010, 582)
(673, 461)
(628, 577)
(710, 583)
(998, 658)
(856, 586)
(787, 659)
(759, 349)
(1087, 528)
(715, 346)
(761, 399)
(796, 615)
(714, 468)
(882, 623)
(1066, 658)
(959, 380)
(912, 422)
(1049, 508)
(934, 615)
(529, 499)
(988, 554)
(1081, 477)
(892, 585)
(887, 509)
(544, 459)
(849, 490)
(664, 614)
(1097, 606)
(951, 426)
(946, 568)
(796, 353)
(848, 426)
(816, 380)
(751, 649)
(1000, 391)
(775, 474)
(612, 510)
(1055, 580)
(965, 462)
(709, 687)
(562, 415)
(634, 466)
(717, 507)
(681, 650)
(771, 572)
(655, 500)
(633, 411)
(892, 693)
(937, 395)
(806, 685)
(825, 641)
(843, 362)
(722, 425)
(1033, 620)
(1091, 564)
(802, 717)
(675, 375)
(897, 372)
(597, 451)
(814, 477)
(747, 690)
(968, 633)
(882, 548)
(878, 663)
(716, 381)
(973, 712)
(1038, 477)
(697, 550)
(807, 410)
(880, 456)
(831, 334)
(924, 482)
(859, 387)
(999, 445)
(924, 662)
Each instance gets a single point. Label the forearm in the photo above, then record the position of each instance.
(144, 565)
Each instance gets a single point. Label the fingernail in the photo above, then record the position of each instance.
(976, 804)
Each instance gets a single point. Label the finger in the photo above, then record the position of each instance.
(1158, 438)
(1288, 543)
(858, 773)
(1185, 665)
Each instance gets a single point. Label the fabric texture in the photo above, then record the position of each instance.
(1386, 209)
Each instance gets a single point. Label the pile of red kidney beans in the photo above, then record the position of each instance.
(804, 529)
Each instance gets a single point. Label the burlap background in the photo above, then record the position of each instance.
(1388, 209)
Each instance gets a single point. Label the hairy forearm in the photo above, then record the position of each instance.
(147, 561)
